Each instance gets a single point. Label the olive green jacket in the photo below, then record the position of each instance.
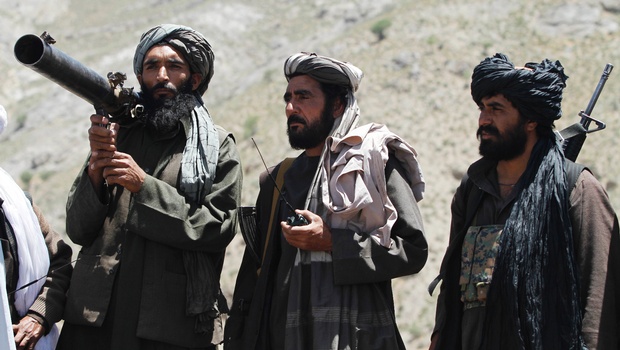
(143, 235)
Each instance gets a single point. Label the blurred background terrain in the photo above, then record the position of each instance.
(417, 57)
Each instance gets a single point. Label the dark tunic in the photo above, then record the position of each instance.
(298, 180)
(258, 314)
(129, 287)
(597, 251)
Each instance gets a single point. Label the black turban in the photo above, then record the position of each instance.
(535, 90)
(190, 43)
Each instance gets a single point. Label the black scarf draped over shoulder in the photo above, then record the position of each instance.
(533, 301)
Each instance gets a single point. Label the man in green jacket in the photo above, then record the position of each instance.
(154, 208)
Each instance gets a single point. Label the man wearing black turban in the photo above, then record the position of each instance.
(154, 208)
(534, 254)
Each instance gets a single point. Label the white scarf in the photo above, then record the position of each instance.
(33, 254)
(354, 178)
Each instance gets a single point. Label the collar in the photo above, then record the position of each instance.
(484, 175)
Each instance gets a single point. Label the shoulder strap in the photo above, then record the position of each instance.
(573, 170)
(284, 166)
(473, 197)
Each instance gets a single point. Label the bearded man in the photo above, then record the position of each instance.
(327, 284)
(534, 254)
(154, 209)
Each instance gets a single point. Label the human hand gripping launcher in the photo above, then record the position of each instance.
(575, 135)
(108, 96)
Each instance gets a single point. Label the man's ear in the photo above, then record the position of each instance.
(531, 125)
(338, 108)
(139, 77)
(196, 80)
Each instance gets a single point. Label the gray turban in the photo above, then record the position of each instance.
(190, 43)
(323, 69)
(535, 90)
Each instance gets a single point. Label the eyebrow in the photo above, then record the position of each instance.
(153, 60)
(288, 94)
(492, 104)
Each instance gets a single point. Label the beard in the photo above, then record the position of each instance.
(313, 134)
(507, 146)
(162, 114)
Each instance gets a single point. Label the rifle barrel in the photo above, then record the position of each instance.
(597, 92)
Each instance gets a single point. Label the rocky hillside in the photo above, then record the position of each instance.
(417, 57)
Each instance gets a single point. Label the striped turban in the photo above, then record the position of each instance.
(535, 90)
(323, 69)
(190, 43)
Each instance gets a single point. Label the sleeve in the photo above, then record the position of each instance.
(597, 248)
(457, 209)
(85, 212)
(159, 209)
(49, 305)
(238, 322)
(357, 258)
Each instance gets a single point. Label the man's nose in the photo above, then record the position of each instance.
(484, 118)
(290, 109)
(162, 74)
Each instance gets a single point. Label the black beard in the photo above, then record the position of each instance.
(312, 134)
(162, 115)
(507, 146)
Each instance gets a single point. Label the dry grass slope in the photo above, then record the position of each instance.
(416, 82)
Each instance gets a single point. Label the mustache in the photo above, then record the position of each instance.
(164, 85)
(489, 129)
(295, 118)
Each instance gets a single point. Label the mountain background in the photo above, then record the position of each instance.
(417, 57)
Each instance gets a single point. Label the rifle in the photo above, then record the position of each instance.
(108, 96)
(574, 136)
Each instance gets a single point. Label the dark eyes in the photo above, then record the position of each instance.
(169, 67)
(288, 99)
(489, 108)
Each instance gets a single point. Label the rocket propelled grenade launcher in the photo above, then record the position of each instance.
(575, 135)
(108, 96)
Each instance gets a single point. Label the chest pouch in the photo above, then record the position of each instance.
(478, 254)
